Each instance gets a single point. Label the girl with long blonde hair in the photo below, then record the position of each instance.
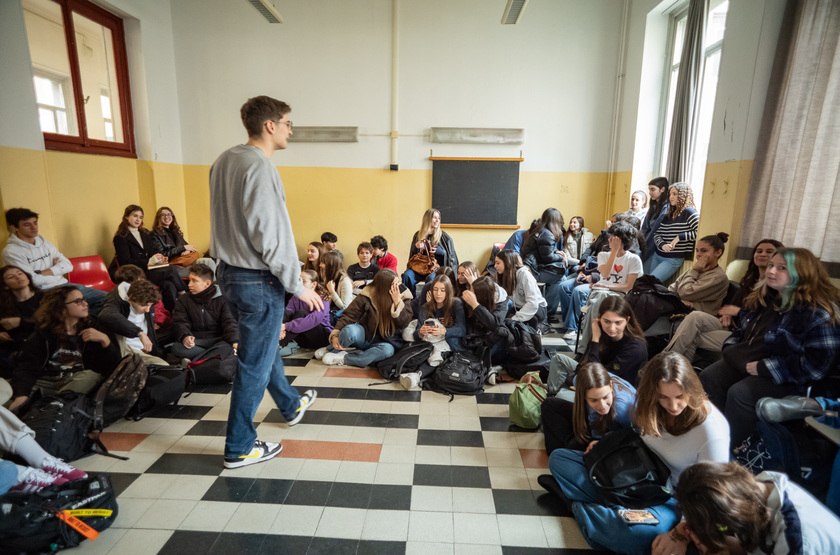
(431, 240)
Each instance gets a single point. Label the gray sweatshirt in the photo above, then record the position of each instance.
(38, 257)
(249, 223)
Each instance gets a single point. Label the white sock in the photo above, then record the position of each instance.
(29, 450)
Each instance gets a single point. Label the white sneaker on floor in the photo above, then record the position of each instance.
(306, 401)
(570, 335)
(319, 353)
(261, 451)
(410, 380)
(333, 358)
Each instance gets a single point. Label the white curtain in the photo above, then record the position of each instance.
(795, 184)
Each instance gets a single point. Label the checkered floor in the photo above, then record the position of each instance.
(370, 469)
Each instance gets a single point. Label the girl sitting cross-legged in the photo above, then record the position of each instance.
(302, 325)
(371, 324)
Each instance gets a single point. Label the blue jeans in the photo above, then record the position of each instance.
(602, 526)
(259, 298)
(552, 282)
(410, 278)
(94, 297)
(8, 475)
(366, 353)
(662, 267)
(572, 299)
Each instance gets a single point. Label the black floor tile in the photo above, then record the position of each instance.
(349, 495)
(121, 480)
(370, 547)
(187, 542)
(432, 475)
(381, 394)
(268, 491)
(226, 488)
(551, 505)
(228, 543)
(328, 392)
(408, 396)
(433, 437)
(309, 493)
(409, 421)
(208, 428)
(336, 418)
(296, 361)
(390, 497)
(223, 388)
(274, 544)
(312, 416)
(493, 399)
(494, 424)
(183, 412)
(516, 502)
(462, 438)
(187, 463)
(373, 420)
(352, 393)
(332, 546)
(470, 477)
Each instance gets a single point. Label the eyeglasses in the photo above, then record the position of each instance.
(166, 215)
(286, 123)
(78, 302)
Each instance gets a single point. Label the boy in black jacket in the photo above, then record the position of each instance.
(202, 317)
(130, 315)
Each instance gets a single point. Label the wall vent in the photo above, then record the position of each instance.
(324, 135)
(267, 10)
(513, 11)
(479, 135)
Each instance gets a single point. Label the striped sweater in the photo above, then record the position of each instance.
(683, 226)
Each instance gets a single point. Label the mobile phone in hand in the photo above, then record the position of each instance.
(642, 516)
(431, 323)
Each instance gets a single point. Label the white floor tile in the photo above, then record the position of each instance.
(473, 500)
(166, 513)
(425, 525)
(431, 498)
(474, 549)
(297, 520)
(356, 472)
(156, 443)
(210, 516)
(400, 436)
(476, 529)
(253, 518)
(400, 474)
(339, 522)
(281, 467)
(433, 454)
(520, 530)
(563, 532)
(397, 453)
(469, 456)
(428, 548)
(510, 458)
(141, 542)
(318, 470)
(130, 511)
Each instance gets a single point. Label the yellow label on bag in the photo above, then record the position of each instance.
(91, 512)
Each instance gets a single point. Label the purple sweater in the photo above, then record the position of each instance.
(314, 318)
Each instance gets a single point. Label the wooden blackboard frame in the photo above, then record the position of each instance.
(506, 186)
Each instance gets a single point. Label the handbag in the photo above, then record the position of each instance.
(423, 264)
(185, 260)
(626, 472)
(525, 403)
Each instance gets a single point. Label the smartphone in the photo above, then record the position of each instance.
(431, 323)
(642, 516)
(403, 288)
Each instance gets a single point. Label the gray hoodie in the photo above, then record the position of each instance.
(38, 257)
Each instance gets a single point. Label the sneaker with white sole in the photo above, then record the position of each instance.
(261, 452)
(410, 380)
(35, 479)
(570, 335)
(306, 401)
(319, 353)
(334, 359)
(58, 467)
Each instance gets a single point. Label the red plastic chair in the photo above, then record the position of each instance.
(91, 271)
(500, 246)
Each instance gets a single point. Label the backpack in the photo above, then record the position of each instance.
(524, 343)
(119, 393)
(216, 365)
(626, 472)
(61, 424)
(164, 387)
(407, 359)
(28, 521)
(516, 369)
(525, 403)
(460, 373)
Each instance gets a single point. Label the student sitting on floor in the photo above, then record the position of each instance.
(486, 305)
(371, 325)
(467, 272)
(328, 240)
(337, 283)
(382, 257)
(518, 282)
(426, 294)
(577, 241)
(19, 299)
(314, 256)
(202, 317)
(704, 286)
(66, 352)
(603, 402)
(305, 327)
(130, 315)
(361, 274)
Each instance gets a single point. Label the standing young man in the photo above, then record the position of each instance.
(252, 237)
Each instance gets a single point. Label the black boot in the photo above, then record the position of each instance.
(792, 407)
(550, 485)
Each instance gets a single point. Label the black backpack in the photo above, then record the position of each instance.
(407, 359)
(164, 387)
(627, 472)
(119, 393)
(523, 342)
(61, 424)
(217, 365)
(29, 523)
(459, 374)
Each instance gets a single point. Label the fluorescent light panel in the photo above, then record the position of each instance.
(513, 11)
(324, 134)
(267, 10)
(480, 135)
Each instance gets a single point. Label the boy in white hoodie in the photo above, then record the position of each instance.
(36, 256)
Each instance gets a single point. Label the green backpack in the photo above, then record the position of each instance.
(525, 404)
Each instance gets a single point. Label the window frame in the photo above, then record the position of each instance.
(83, 143)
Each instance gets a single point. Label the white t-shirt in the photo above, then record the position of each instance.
(139, 320)
(622, 267)
(707, 442)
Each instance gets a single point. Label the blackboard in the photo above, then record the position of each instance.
(476, 191)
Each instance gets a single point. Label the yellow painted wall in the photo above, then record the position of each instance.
(724, 201)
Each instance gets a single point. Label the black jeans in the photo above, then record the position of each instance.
(736, 393)
(557, 424)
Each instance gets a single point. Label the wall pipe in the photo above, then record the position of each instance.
(616, 119)
(395, 83)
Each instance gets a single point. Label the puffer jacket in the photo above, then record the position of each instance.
(204, 316)
(540, 252)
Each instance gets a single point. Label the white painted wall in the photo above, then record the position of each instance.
(552, 74)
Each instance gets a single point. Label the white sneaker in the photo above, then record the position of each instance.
(333, 358)
(306, 401)
(410, 380)
(35, 479)
(570, 335)
(261, 451)
(319, 354)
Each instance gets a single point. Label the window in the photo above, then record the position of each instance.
(715, 27)
(80, 77)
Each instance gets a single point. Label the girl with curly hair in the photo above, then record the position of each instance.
(674, 239)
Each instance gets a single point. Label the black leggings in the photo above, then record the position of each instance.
(557, 421)
(170, 284)
(314, 338)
